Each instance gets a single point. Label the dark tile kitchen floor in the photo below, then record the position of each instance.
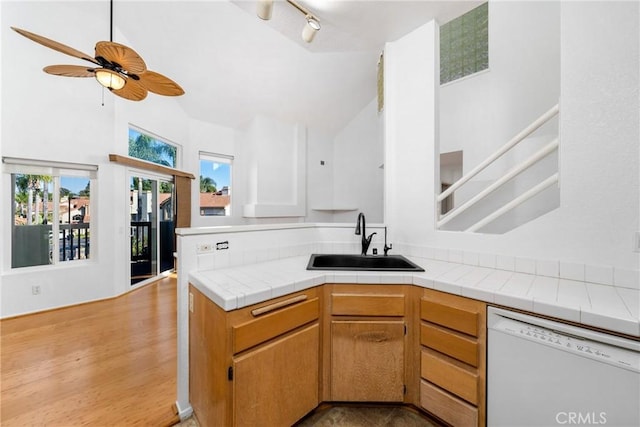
(365, 416)
(356, 416)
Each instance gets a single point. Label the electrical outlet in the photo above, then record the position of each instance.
(190, 302)
(204, 248)
(35, 289)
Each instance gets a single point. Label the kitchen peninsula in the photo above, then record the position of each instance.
(317, 311)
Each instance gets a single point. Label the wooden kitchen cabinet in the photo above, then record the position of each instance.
(367, 361)
(257, 365)
(453, 358)
(277, 384)
(274, 362)
(366, 330)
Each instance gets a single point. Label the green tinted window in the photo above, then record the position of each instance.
(464, 45)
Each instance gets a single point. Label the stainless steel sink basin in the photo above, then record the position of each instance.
(361, 263)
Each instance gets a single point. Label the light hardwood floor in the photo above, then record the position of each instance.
(107, 363)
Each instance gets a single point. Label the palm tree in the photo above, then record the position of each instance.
(207, 185)
(46, 179)
(29, 184)
(147, 148)
(86, 192)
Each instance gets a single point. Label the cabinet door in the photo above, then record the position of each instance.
(367, 361)
(277, 384)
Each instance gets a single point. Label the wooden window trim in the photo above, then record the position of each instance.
(148, 166)
(182, 183)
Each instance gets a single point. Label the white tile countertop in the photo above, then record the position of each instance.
(608, 307)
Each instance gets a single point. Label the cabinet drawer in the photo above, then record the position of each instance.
(447, 407)
(449, 376)
(274, 319)
(459, 319)
(451, 344)
(367, 305)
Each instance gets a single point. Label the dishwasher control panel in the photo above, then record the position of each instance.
(566, 341)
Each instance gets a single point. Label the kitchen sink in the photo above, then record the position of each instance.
(361, 263)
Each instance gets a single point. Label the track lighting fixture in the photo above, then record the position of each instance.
(264, 10)
(310, 29)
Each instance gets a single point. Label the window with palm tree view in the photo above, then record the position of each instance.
(146, 147)
(52, 216)
(215, 184)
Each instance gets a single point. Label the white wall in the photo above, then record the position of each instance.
(411, 130)
(35, 126)
(599, 155)
(320, 177)
(357, 159)
(273, 163)
(212, 139)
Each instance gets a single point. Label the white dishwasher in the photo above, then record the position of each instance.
(545, 373)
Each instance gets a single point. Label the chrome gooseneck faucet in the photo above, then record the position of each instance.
(366, 241)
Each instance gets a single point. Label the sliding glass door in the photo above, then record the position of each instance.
(151, 226)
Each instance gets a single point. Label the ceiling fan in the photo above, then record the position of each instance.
(116, 67)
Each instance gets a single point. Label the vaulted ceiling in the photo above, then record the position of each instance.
(234, 65)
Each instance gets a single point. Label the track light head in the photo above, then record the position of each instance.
(264, 9)
(311, 27)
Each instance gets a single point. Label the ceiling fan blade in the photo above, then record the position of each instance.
(157, 83)
(132, 90)
(54, 45)
(121, 55)
(70, 70)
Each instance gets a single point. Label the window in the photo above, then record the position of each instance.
(464, 45)
(152, 149)
(51, 203)
(215, 184)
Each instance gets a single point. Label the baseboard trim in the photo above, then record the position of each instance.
(184, 413)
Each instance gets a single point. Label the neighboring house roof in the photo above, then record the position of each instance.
(213, 200)
(164, 197)
(76, 205)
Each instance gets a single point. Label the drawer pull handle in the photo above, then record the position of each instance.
(272, 307)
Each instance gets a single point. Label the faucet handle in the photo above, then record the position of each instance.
(366, 241)
(387, 248)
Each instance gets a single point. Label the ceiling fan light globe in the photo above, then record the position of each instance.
(110, 79)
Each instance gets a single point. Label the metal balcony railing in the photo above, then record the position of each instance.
(74, 241)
